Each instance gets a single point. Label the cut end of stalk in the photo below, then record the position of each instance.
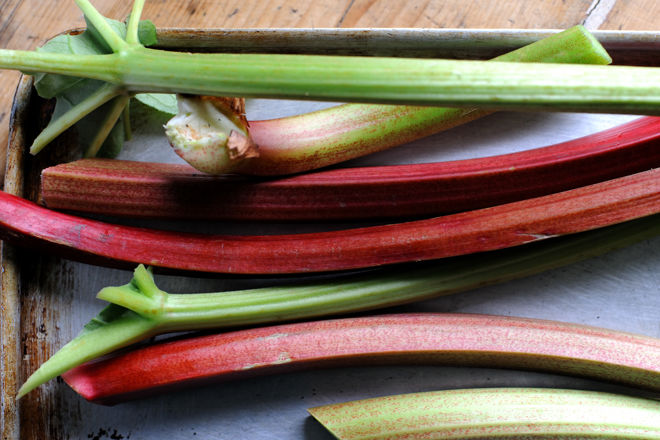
(211, 134)
(596, 53)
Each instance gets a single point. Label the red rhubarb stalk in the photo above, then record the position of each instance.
(448, 339)
(585, 208)
(126, 188)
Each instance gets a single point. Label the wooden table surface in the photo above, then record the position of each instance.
(25, 24)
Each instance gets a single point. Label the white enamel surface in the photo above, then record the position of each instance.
(617, 291)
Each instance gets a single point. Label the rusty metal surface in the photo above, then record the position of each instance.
(626, 47)
(10, 305)
(46, 300)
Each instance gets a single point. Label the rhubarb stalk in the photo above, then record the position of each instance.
(611, 89)
(511, 413)
(502, 226)
(412, 339)
(139, 309)
(138, 189)
(314, 140)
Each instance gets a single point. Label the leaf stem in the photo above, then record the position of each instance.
(126, 118)
(102, 95)
(102, 67)
(118, 105)
(500, 85)
(132, 37)
(94, 16)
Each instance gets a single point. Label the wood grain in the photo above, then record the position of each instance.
(25, 24)
(629, 15)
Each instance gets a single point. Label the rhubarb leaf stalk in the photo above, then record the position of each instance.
(457, 339)
(141, 189)
(140, 310)
(318, 139)
(512, 413)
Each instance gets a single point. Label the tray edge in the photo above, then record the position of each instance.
(10, 306)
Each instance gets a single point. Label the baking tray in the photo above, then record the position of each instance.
(46, 300)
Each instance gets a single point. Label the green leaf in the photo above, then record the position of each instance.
(69, 90)
(147, 33)
(88, 128)
(52, 85)
(163, 102)
(74, 95)
(117, 26)
(111, 312)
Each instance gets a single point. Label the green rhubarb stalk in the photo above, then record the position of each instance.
(139, 309)
(318, 139)
(511, 413)
(503, 85)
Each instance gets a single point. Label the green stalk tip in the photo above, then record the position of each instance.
(113, 328)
